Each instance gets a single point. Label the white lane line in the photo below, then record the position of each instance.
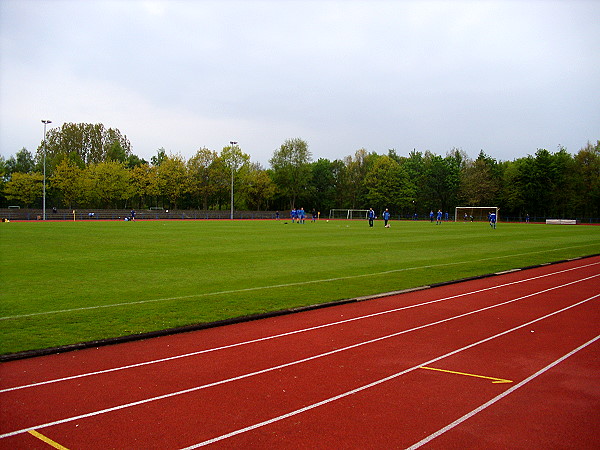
(276, 336)
(293, 332)
(500, 396)
(375, 383)
(310, 358)
(258, 288)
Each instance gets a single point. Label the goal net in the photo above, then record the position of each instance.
(474, 213)
(348, 213)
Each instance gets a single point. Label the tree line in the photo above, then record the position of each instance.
(89, 166)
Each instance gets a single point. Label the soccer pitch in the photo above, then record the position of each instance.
(69, 282)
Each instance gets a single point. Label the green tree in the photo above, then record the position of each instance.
(564, 196)
(105, 184)
(291, 169)
(22, 162)
(91, 142)
(134, 161)
(172, 178)
(415, 170)
(442, 180)
(353, 182)
(236, 163)
(143, 183)
(526, 186)
(4, 177)
(388, 186)
(339, 172)
(202, 170)
(588, 179)
(512, 198)
(160, 156)
(479, 185)
(221, 184)
(346, 191)
(542, 182)
(258, 188)
(66, 181)
(24, 188)
(3, 169)
(116, 152)
(324, 185)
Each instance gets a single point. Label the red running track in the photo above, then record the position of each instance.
(509, 361)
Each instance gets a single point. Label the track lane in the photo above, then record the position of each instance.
(401, 409)
(365, 330)
(80, 364)
(563, 417)
(84, 399)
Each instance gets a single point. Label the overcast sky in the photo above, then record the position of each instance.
(507, 77)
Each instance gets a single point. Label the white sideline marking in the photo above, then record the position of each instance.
(375, 383)
(500, 396)
(275, 286)
(321, 355)
(504, 272)
(303, 330)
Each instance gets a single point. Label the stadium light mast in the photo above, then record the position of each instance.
(232, 162)
(45, 122)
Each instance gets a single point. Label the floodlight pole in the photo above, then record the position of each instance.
(45, 122)
(232, 162)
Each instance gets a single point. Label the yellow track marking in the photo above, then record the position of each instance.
(496, 380)
(48, 441)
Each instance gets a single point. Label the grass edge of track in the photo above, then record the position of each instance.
(241, 319)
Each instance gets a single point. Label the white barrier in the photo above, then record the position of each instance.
(562, 221)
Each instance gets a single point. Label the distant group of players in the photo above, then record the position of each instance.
(298, 215)
(438, 216)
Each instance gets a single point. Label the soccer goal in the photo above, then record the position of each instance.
(474, 213)
(348, 213)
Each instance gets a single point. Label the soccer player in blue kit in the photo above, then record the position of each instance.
(386, 217)
(371, 216)
(493, 219)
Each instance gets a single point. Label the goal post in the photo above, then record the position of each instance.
(474, 213)
(348, 214)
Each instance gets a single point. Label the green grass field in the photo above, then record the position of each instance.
(68, 282)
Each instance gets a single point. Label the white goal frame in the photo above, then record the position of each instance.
(348, 213)
(473, 208)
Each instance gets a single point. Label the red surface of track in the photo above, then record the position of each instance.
(509, 361)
